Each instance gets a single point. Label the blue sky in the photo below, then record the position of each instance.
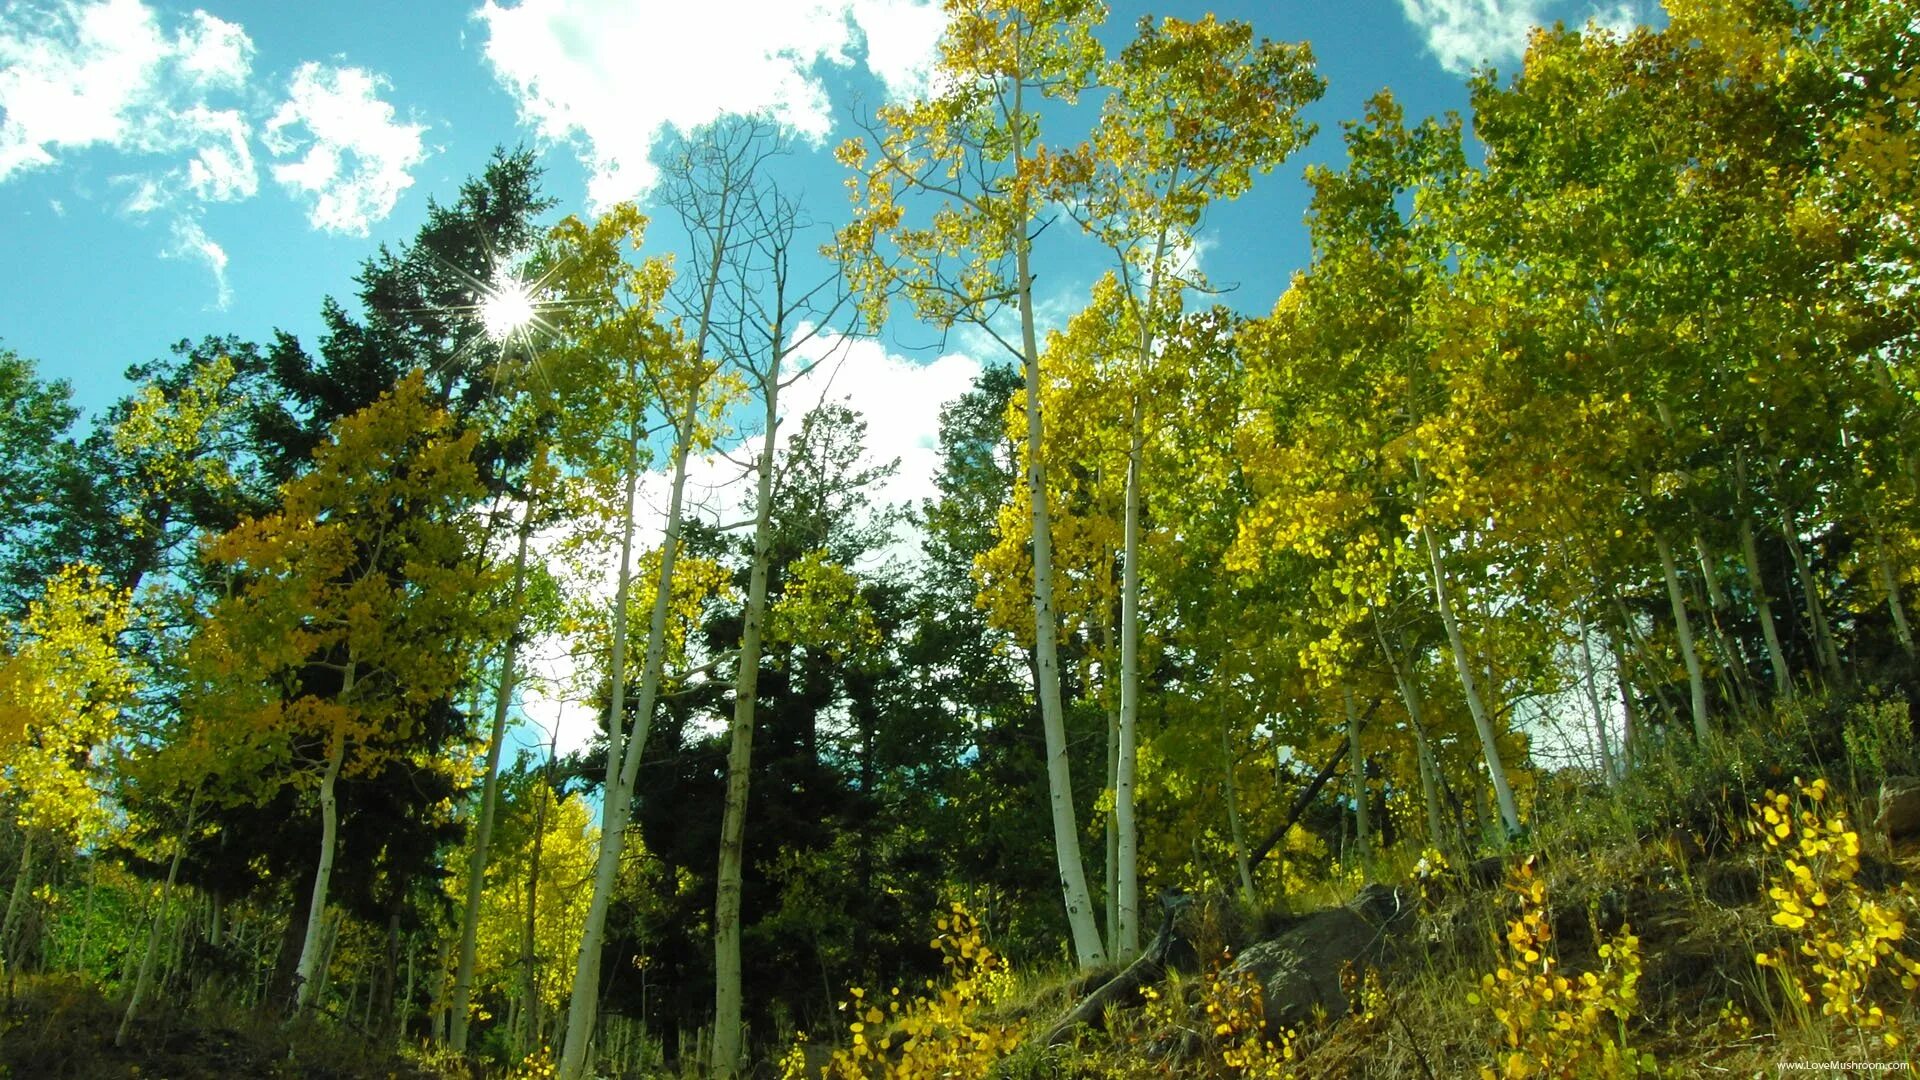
(170, 171)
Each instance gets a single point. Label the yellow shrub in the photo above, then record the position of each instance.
(938, 1033)
(1554, 1026)
(1843, 935)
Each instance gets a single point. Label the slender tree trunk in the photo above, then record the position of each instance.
(1429, 768)
(1763, 609)
(529, 980)
(17, 902)
(1463, 665)
(1234, 829)
(1816, 609)
(1683, 628)
(308, 972)
(86, 917)
(1608, 766)
(144, 979)
(623, 761)
(1902, 631)
(1112, 894)
(746, 688)
(1357, 760)
(1126, 934)
(1087, 948)
(489, 796)
(1629, 713)
(1718, 607)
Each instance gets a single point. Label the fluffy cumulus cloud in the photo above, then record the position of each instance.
(176, 99)
(1463, 34)
(900, 400)
(613, 76)
(353, 155)
(80, 75)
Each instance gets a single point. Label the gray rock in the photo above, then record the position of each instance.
(1899, 815)
(1300, 969)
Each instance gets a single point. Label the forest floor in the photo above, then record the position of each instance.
(63, 1028)
(1619, 942)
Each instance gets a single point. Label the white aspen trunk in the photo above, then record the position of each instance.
(1629, 716)
(1126, 933)
(584, 999)
(1737, 682)
(1608, 767)
(527, 1031)
(1763, 609)
(1087, 949)
(1112, 868)
(144, 979)
(1429, 769)
(1683, 629)
(1357, 770)
(1463, 665)
(311, 946)
(1241, 862)
(1902, 632)
(1816, 609)
(727, 1034)
(624, 764)
(489, 796)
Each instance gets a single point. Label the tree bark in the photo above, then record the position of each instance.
(1607, 764)
(746, 684)
(1429, 768)
(1816, 609)
(1357, 773)
(1683, 629)
(623, 762)
(310, 947)
(1126, 934)
(1902, 631)
(144, 979)
(1087, 948)
(1463, 665)
(16, 902)
(489, 796)
(1234, 830)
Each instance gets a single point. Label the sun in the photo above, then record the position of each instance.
(506, 308)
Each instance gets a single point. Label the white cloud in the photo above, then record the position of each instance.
(79, 75)
(191, 242)
(900, 400)
(613, 76)
(358, 156)
(222, 170)
(1462, 34)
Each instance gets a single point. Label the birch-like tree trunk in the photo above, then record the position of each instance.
(1357, 768)
(311, 946)
(1463, 666)
(144, 980)
(623, 754)
(1087, 949)
(1823, 642)
(1126, 933)
(1608, 767)
(489, 796)
(746, 684)
(1683, 629)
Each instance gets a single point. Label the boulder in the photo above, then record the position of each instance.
(1899, 815)
(1300, 969)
